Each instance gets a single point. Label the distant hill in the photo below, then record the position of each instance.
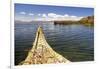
(87, 20)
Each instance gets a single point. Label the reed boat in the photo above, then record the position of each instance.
(42, 53)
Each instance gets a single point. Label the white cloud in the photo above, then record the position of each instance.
(44, 15)
(57, 15)
(51, 17)
(73, 16)
(39, 14)
(51, 14)
(66, 15)
(23, 13)
(31, 14)
(54, 16)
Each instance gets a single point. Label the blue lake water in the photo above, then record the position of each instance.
(75, 42)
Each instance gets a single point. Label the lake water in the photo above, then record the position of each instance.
(74, 42)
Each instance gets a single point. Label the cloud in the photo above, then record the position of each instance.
(51, 14)
(54, 16)
(31, 14)
(23, 13)
(57, 15)
(39, 14)
(66, 15)
(73, 16)
(44, 15)
(50, 17)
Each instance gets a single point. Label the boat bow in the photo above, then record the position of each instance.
(42, 53)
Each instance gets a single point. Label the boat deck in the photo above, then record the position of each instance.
(42, 53)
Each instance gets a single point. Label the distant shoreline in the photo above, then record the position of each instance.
(89, 20)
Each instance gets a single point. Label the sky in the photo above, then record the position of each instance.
(32, 12)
